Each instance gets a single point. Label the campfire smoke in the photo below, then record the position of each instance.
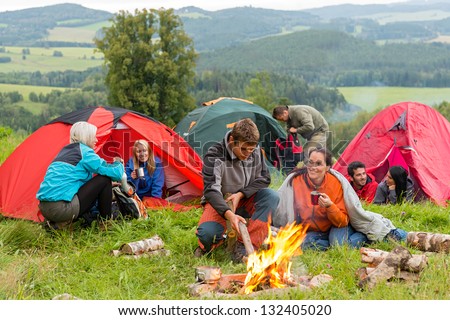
(270, 267)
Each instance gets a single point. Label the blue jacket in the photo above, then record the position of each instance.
(74, 165)
(152, 185)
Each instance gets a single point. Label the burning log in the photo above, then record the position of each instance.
(399, 263)
(230, 285)
(373, 257)
(425, 241)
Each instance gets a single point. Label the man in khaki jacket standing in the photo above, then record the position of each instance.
(306, 121)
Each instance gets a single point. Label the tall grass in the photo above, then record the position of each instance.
(40, 264)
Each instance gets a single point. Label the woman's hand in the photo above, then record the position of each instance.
(324, 200)
(118, 159)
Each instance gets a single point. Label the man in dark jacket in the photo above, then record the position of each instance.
(362, 182)
(306, 121)
(235, 167)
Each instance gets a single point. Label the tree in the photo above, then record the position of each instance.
(150, 62)
(260, 91)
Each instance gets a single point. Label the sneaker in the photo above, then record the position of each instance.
(239, 254)
(198, 252)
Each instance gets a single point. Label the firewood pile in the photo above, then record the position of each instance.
(142, 248)
(384, 266)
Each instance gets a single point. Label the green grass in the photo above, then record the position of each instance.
(371, 98)
(37, 264)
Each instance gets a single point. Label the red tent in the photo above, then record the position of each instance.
(410, 134)
(23, 171)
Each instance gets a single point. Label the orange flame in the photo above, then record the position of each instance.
(272, 266)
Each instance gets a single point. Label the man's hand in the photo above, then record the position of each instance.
(234, 199)
(234, 220)
(292, 130)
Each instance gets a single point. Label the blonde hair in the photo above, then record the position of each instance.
(83, 132)
(151, 166)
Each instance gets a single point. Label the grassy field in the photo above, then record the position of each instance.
(42, 59)
(33, 107)
(37, 264)
(26, 90)
(370, 98)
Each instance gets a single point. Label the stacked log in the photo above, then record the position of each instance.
(383, 266)
(431, 242)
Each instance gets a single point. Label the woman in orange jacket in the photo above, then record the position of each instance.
(327, 218)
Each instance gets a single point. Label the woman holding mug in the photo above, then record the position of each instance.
(145, 171)
(319, 203)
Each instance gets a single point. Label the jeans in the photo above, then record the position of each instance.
(317, 240)
(397, 234)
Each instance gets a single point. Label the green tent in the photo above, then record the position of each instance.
(209, 123)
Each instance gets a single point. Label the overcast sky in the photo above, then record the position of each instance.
(211, 5)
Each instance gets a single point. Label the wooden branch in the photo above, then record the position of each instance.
(425, 241)
(146, 245)
(373, 257)
(246, 238)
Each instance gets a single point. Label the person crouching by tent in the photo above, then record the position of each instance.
(235, 166)
(396, 188)
(306, 121)
(362, 182)
(337, 216)
(69, 189)
(146, 172)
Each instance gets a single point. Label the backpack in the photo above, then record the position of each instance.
(289, 152)
(129, 205)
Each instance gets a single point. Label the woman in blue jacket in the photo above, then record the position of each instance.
(69, 188)
(145, 171)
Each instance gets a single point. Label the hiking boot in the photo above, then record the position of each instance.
(397, 235)
(50, 225)
(198, 252)
(239, 254)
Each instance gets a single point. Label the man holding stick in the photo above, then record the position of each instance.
(235, 166)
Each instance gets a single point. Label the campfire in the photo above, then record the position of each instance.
(270, 267)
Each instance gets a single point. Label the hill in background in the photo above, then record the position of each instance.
(414, 21)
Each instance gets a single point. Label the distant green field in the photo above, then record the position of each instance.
(33, 107)
(426, 15)
(26, 90)
(370, 98)
(42, 59)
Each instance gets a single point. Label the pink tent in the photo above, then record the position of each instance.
(409, 134)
